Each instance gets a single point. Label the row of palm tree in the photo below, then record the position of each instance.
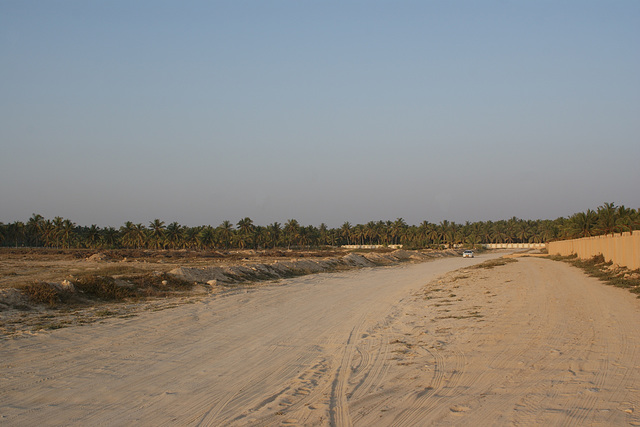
(63, 233)
(606, 219)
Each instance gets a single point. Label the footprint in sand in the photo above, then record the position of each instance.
(314, 406)
(303, 391)
(285, 402)
(457, 409)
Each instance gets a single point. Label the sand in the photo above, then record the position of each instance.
(530, 342)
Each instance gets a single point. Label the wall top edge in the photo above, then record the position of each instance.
(601, 236)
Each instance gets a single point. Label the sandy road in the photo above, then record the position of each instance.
(533, 342)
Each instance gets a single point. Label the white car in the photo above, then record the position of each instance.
(467, 254)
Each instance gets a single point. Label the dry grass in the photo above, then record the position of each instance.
(90, 289)
(598, 267)
(43, 293)
(492, 263)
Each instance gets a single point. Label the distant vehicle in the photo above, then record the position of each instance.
(467, 254)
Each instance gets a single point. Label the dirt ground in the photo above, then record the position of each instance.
(531, 342)
(193, 272)
(21, 266)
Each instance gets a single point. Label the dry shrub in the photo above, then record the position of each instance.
(44, 293)
(151, 284)
(494, 263)
(104, 288)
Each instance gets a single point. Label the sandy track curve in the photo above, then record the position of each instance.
(533, 342)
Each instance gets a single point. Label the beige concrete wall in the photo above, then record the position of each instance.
(371, 246)
(514, 245)
(622, 249)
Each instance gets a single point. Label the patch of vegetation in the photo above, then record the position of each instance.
(103, 288)
(492, 263)
(115, 270)
(45, 293)
(603, 270)
(157, 285)
(91, 288)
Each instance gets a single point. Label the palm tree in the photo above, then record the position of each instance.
(313, 236)
(370, 231)
(245, 225)
(548, 231)
(323, 234)
(384, 233)
(582, 224)
(410, 237)
(241, 240)
(397, 229)
(141, 235)
(498, 234)
(157, 231)
(128, 234)
(246, 229)
(304, 236)
(17, 230)
(174, 235)
(432, 233)
(626, 219)
(34, 228)
(292, 232)
(92, 236)
(67, 232)
(345, 232)
(110, 237)
(522, 232)
(473, 238)
(274, 231)
(423, 233)
(190, 237)
(48, 233)
(57, 230)
(260, 237)
(607, 219)
(206, 237)
(450, 233)
(359, 233)
(225, 231)
(332, 236)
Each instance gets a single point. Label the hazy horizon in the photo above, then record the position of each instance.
(327, 112)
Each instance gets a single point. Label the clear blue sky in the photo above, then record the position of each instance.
(322, 111)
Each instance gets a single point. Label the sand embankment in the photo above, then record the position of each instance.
(299, 267)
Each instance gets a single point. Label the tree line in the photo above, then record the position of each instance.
(63, 233)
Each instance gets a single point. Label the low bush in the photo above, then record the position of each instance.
(90, 288)
(104, 288)
(153, 284)
(494, 263)
(46, 293)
